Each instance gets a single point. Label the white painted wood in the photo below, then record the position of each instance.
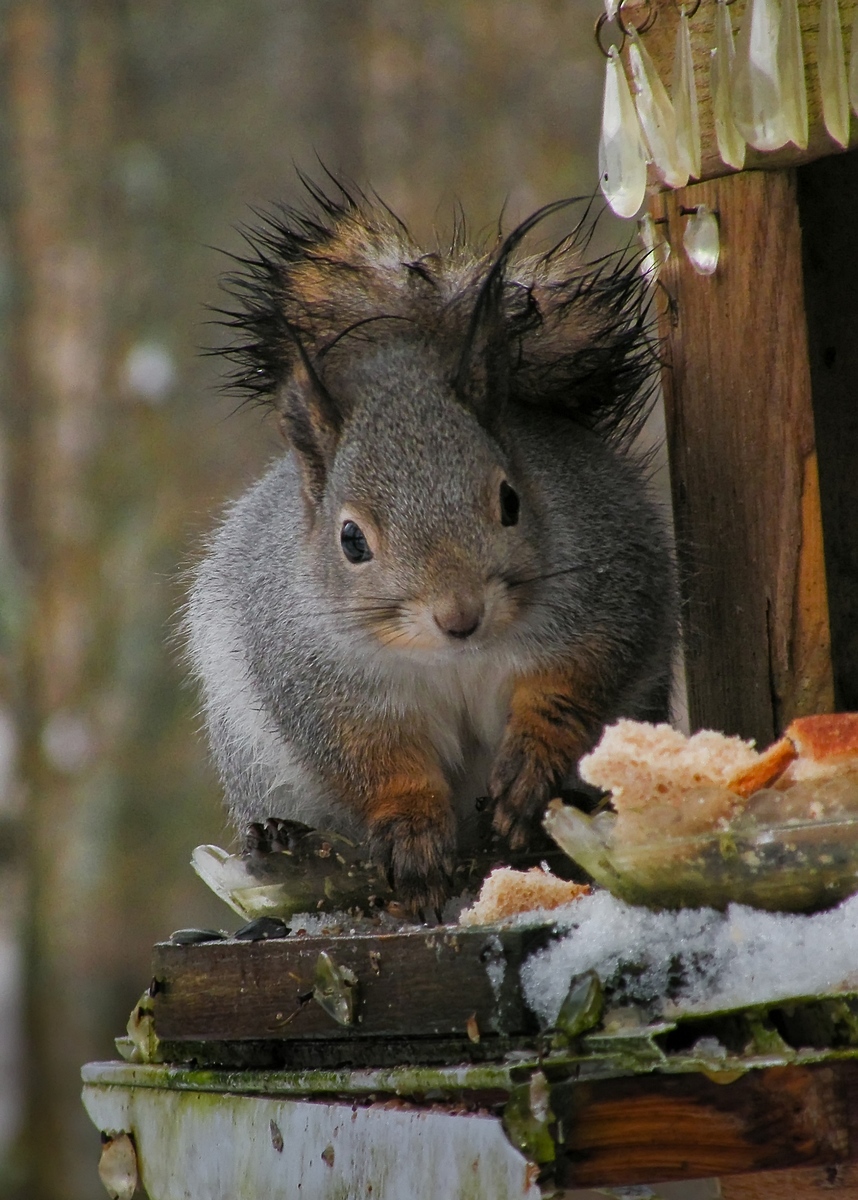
(234, 1147)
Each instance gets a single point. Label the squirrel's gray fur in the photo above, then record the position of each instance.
(409, 385)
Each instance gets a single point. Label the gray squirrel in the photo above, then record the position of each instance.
(454, 577)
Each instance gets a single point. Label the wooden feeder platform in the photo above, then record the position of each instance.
(439, 1081)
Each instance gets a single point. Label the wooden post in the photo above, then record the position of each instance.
(826, 201)
(743, 462)
(760, 377)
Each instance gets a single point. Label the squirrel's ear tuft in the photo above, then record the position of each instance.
(503, 308)
(555, 331)
(311, 421)
(481, 379)
(581, 334)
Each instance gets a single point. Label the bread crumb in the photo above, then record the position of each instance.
(506, 893)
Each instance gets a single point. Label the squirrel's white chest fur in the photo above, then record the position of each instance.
(462, 705)
(464, 709)
(459, 703)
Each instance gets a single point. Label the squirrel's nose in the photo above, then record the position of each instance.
(458, 618)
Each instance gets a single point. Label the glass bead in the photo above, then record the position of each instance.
(791, 67)
(657, 116)
(832, 73)
(622, 158)
(684, 92)
(701, 240)
(756, 78)
(656, 248)
(731, 144)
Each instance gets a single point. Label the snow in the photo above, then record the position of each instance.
(693, 960)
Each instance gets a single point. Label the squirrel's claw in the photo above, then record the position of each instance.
(521, 785)
(418, 855)
(276, 833)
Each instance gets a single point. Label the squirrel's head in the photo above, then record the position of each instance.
(420, 526)
(392, 372)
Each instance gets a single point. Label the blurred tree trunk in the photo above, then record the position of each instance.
(137, 132)
(61, 78)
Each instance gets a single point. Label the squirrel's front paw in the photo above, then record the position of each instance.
(522, 782)
(418, 852)
(277, 833)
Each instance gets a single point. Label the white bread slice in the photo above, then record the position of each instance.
(666, 785)
(635, 760)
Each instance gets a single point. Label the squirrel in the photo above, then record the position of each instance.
(455, 575)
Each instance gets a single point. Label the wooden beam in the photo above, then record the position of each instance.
(799, 1122)
(743, 462)
(423, 984)
(620, 1132)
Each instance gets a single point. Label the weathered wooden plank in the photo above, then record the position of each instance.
(802, 1183)
(660, 40)
(624, 1131)
(743, 462)
(250, 1147)
(826, 199)
(423, 984)
(610, 1133)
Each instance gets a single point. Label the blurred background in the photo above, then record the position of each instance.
(136, 134)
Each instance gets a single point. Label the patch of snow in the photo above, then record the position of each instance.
(695, 960)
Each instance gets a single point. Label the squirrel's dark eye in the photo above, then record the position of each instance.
(354, 544)
(509, 504)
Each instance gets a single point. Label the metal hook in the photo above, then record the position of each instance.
(600, 25)
(647, 23)
(693, 11)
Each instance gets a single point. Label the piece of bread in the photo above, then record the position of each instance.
(506, 893)
(768, 768)
(633, 756)
(826, 737)
(666, 785)
(825, 745)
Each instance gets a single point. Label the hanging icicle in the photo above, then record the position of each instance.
(731, 144)
(622, 157)
(832, 73)
(657, 116)
(791, 67)
(684, 92)
(756, 78)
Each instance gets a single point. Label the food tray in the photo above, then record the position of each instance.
(784, 866)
